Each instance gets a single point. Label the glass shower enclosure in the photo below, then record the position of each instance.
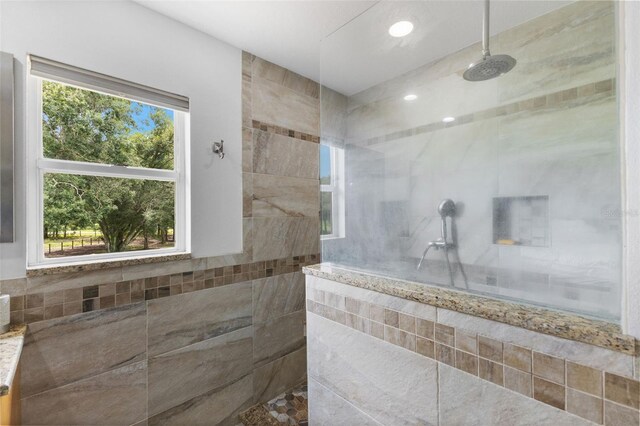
(530, 159)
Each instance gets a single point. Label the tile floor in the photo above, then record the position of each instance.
(290, 408)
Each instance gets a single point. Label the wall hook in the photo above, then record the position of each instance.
(218, 148)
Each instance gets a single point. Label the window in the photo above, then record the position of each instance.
(331, 192)
(107, 167)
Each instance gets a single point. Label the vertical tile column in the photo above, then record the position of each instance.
(281, 124)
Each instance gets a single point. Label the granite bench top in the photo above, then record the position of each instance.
(561, 324)
(10, 350)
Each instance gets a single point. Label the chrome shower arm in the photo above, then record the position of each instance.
(485, 30)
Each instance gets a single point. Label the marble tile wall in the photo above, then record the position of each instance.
(190, 341)
(547, 128)
(363, 345)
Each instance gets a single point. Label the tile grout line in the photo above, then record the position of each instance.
(324, 310)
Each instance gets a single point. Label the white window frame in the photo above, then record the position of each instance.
(37, 165)
(336, 188)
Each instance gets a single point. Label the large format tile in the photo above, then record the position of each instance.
(63, 350)
(333, 116)
(274, 103)
(468, 400)
(388, 383)
(278, 295)
(328, 409)
(275, 154)
(281, 375)
(135, 272)
(176, 377)
(278, 337)
(279, 237)
(582, 353)
(277, 74)
(219, 406)
(45, 283)
(184, 319)
(316, 285)
(285, 196)
(116, 397)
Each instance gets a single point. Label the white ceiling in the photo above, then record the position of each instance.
(289, 33)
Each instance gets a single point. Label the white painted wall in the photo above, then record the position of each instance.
(629, 19)
(128, 41)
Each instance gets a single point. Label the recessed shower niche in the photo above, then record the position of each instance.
(522, 221)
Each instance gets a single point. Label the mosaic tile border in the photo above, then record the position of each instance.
(595, 395)
(539, 102)
(554, 323)
(35, 307)
(272, 128)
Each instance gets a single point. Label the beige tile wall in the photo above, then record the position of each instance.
(182, 341)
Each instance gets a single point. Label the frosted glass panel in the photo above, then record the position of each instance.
(540, 141)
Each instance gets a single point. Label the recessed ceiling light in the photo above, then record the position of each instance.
(400, 29)
(448, 119)
(411, 97)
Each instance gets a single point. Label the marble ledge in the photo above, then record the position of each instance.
(546, 321)
(10, 349)
(105, 264)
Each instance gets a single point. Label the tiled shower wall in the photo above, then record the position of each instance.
(378, 359)
(190, 341)
(548, 128)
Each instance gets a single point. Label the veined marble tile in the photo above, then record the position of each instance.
(278, 237)
(284, 156)
(281, 375)
(46, 283)
(178, 321)
(333, 116)
(247, 149)
(247, 58)
(582, 353)
(64, 350)
(247, 194)
(178, 376)
(219, 406)
(357, 368)
(116, 397)
(156, 269)
(467, 400)
(568, 47)
(14, 287)
(276, 104)
(399, 304)
(326, 408)
(285, 196)
(287, 78)
(278, 337)
(278, 295)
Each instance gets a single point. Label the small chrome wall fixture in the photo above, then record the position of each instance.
(6, 149)
(218, 148)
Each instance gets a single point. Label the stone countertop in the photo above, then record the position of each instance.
(10, 350)
(547, 321)
(105, 264)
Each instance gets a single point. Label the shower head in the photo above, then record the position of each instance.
(447, 208)
(490, 66)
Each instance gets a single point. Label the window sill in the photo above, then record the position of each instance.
(104, 264)
(331, 237)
